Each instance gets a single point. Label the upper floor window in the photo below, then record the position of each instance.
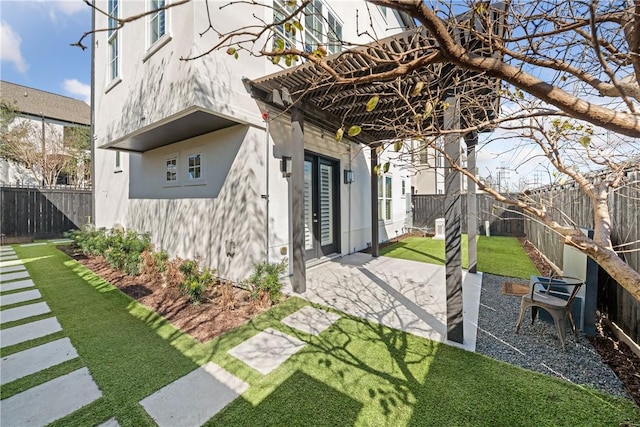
(313, 26)
(112, 40)
(157, 21)
(280, 11)
(334, 34)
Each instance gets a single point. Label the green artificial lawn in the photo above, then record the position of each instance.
(499, 255)
(354, 373)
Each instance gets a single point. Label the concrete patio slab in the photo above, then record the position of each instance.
(110, 423)
(45, 403)
(29, 331)
(405, 295)
(311, 320)
(19, 297)
(194, 398)
(267, 350)
(23, 312)
(7, 252)
(26, 245)
(14, 276)
(19, 284)
(8, 257)
(6, 248)
(12, 269)
(30, 361)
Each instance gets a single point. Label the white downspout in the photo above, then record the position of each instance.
(265, 196)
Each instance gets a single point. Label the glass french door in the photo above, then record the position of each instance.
(321, 206)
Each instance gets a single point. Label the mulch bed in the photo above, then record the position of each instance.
(203, 322)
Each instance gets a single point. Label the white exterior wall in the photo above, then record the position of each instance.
(194, 221)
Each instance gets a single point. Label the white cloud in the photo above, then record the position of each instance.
(70, 7)
(78, 89)
(10, 47)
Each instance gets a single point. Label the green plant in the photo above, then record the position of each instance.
(265, 279)
(125, 248)
(195, 281)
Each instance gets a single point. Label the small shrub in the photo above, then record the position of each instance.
(173, 277)
(195, 281)
(149, 267)
(124, 250)
(227, 299)
(265, 280)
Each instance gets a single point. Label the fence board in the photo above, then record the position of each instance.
(620, 306)
(42, 213)
(503, 220)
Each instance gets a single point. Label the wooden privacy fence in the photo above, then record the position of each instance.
(41, 212)
(571, 203)
(503, 220)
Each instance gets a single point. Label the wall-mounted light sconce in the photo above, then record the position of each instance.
(286, 166)
(231, 248)
(349, 176)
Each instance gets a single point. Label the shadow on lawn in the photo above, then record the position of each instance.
(407, 247)
(356, 372)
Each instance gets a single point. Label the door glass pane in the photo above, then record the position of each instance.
(326, 205)
(308, 209)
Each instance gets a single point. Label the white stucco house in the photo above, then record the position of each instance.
(184, 152)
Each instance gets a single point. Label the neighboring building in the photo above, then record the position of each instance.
(184, 152)
(58, 115)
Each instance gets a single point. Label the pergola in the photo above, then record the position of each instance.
(451, 99)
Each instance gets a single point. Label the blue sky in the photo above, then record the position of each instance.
(35, 51)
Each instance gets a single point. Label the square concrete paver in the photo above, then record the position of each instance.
(12, 269)
(19, 297)
(20, 284)
(30, 361)
(26, 245)
(194, 398)
(110, 423)
(267, 350)
(45, 403)
(14, 276)
(29, 331)
(311, 320)
(8, 257)
(23, 312)
(60, 241)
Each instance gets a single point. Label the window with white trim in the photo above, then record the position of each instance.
(385, 184)
(112, 40)
(313, 26)
(194, 167)
(280, 11)
(171, 168)
(334, 34)
(157, 21)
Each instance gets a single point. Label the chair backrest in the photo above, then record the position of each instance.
(574, 282)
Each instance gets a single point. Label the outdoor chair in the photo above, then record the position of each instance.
(541, 296)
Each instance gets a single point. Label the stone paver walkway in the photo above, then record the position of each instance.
(189, 401)
(194, 398)
(56, 398)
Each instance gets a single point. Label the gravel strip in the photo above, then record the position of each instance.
(537, 346)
